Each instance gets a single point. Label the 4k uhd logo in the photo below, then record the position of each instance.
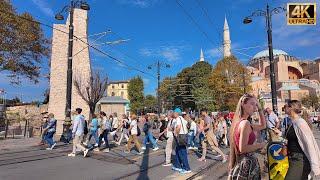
(301, 14)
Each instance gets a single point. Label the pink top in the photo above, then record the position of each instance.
(252, 137)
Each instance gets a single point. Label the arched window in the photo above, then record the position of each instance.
(122, 86)
(112, 94)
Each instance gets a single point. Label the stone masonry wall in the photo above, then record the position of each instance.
(80, 66)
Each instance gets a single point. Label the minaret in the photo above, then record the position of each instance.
(226, 39)
(201, 56)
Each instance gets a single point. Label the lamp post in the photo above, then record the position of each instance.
(159, 64)
(268, 14)
(69, 8)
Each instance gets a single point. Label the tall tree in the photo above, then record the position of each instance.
(311, 101)
(150, 102)
(135, 92)
(92, 90)
(200, 86)
(22, 43)
(228, 80)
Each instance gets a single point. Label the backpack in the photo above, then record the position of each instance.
(138, 131)
(85, 130)
(145, 127)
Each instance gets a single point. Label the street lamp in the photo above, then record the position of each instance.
(268, 14)
(69, 8)
(159, 64)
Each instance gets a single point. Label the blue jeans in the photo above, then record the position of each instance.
(191, 139)
(149, 136)
(95, 136)
(49, 138)
(181, 158)
(104, 135)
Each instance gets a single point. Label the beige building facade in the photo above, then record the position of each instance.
(113, 104)
(118, 88)
(295, 78)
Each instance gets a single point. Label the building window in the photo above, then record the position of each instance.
(112, 86)
(112, 94)
(122, 94)
(122, 86)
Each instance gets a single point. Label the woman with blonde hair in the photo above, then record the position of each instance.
(243, 164)
(303, 151)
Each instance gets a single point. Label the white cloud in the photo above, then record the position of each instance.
(139, 3)
(170, 53)
(293, 37)
(146, 81)
(214, 52)
(44, 7)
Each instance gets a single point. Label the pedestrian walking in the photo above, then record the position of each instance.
(50, 130)
(170, 141)
(44, 125)
(134, 132)
(243, 164)
(181, 163)
(303, 151)
(192, 127)
(124, 129)
(78, 132)
(115, 125)
(106, 128)
(147, 129)
(222, 131)
(210, 138)
(163, 126)
(93, 131)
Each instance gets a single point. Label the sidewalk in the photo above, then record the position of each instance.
(21, 143)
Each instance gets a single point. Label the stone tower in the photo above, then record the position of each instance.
(226, 39)
(201, 56)
(80, 66)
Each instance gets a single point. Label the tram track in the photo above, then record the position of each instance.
(35, 157)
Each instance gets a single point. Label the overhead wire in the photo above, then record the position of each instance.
(93, 47)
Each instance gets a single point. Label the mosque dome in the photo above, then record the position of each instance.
(265, 53)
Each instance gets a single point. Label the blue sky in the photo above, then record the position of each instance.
(159, 29)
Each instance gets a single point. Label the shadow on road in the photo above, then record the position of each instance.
(144, 166)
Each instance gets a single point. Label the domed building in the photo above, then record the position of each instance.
(294, 78)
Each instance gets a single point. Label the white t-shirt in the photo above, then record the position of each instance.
(272, 120)
(134, 130)
(115, 123)
(193, 127)
(181, 121)
(171, 123)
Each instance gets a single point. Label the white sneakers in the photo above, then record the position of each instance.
(72, 155)
(50, 148)
(106, 150)
(155, 149)
(166, 164)
(85, 152)
(143, 148)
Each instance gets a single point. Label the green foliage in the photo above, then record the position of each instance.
(150, 102)
(311, 101)
(228, 79)
(189, 88)
(135, 93)
(22, 43)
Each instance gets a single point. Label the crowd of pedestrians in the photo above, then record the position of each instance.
(245, 132)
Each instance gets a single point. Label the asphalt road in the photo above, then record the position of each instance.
(36, 163)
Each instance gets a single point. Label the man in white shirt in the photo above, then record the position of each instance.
(272, 119)
(77, 132)
(133, 131)
(170, 142)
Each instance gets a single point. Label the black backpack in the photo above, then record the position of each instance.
(85, 130)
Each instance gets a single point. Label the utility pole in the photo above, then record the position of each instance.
(159, 64)
(69, 8)
(268, 14)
